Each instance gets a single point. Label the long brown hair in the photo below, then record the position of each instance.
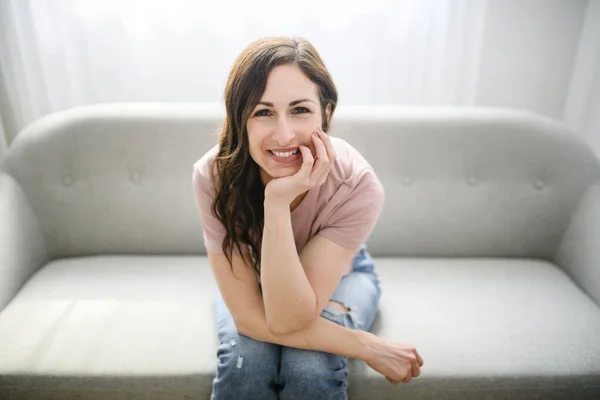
(239, 190)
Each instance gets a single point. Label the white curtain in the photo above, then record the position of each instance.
(59, 54)
(582, 110)
(3, 144)
(511, 53)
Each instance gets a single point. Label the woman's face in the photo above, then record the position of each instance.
(285, 117)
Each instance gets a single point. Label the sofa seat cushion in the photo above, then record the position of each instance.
(488, 328)
(128, 327)
(113, 324)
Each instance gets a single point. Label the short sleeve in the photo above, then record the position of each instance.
(351, 223)
(212, 228)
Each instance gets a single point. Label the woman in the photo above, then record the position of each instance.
(285, 211)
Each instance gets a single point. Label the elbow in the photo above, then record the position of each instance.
(279, 329)
(280, 326)
(292, 319)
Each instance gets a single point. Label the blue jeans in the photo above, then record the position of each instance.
(249, 369)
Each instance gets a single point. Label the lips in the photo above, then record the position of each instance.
(285, 153)
(285, 156)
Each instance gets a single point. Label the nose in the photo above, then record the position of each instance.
(284, 133)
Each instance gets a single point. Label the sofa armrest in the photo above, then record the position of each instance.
(22, 247)
(579, 250)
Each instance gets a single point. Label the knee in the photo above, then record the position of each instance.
(246, 355)
(309, 374)
(244, 366)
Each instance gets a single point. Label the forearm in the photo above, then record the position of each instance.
(289, 299)
(321, 334)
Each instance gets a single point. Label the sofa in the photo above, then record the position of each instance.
(488, 249)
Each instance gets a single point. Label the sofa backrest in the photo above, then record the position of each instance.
(116, 178)
(470, 181)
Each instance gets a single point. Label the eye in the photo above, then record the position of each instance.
(262, 113)
(301, 110)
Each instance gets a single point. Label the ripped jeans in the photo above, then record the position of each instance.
(249, 369)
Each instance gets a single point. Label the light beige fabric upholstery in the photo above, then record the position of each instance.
(487, 251)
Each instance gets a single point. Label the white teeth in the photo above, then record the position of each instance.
(285, 153)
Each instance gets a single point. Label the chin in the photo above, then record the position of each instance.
(281, 172)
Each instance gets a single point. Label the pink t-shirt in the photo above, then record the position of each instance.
(344, 209)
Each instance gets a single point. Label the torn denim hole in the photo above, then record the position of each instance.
(351, 313)
(357, 323)
(346, 306)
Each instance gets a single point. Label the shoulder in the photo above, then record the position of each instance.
(352, 171)
(351, 199)
(204, 172)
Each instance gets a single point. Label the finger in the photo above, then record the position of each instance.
(407, 378)
(307, 162)
(328, 145)
(393, 382)
(419, 359)
(322, 158)
(321, 166)
(416, 371)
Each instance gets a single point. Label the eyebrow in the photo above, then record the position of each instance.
(293, 103)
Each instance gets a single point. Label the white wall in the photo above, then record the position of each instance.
(511, 53)
(3, 146)
(528, 53)
(582, 109)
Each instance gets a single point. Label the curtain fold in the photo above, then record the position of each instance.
(59, 54)
(3, 144)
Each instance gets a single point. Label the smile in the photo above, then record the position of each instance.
(285, 156)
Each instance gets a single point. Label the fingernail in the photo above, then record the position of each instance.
(315, 134)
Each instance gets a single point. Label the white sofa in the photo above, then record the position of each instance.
(488, 249)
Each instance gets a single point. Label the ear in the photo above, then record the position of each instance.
(328, 112)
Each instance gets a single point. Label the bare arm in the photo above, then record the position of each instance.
(289, 299)
(243, 299)
(296, 288)
(239, 287)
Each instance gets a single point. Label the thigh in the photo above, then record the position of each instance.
(309, 374)
(359, 292)
(247, 351)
